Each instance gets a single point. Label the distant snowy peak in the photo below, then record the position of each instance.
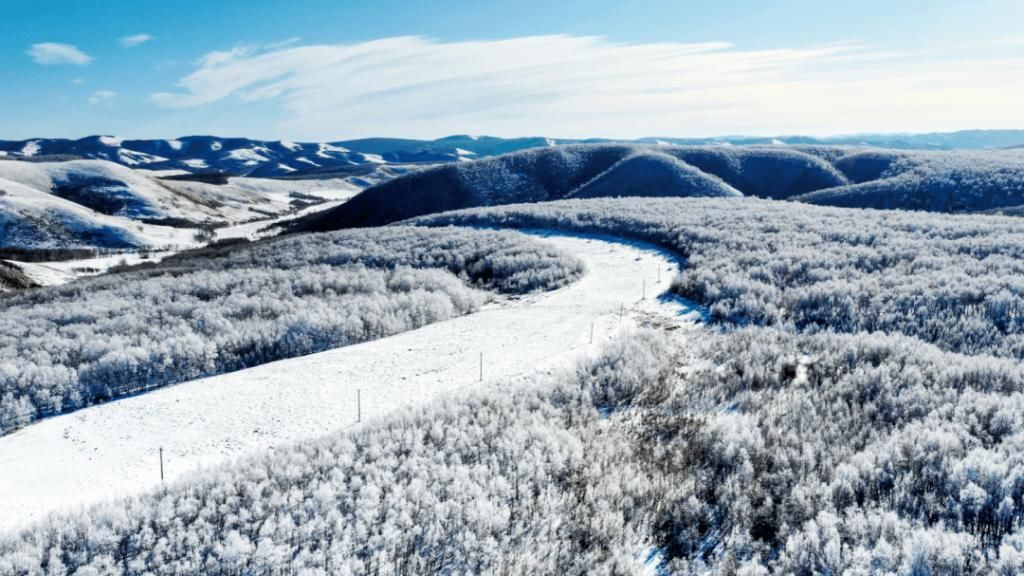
(235, 156)
(269, 158)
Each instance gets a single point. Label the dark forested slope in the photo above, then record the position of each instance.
(953, 182)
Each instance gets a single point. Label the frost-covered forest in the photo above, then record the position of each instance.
(955, 281)
(755, 450)
(528, 481)
(854, 407)
(227, 308)
(928, 181)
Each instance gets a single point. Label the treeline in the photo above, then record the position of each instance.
(13, 278)
(228, 308)
(957, 282)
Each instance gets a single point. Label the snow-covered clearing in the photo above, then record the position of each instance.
(64, 271)
(111, 450)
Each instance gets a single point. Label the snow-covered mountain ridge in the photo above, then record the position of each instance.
(271, 158)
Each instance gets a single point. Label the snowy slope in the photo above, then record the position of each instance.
(32, 218)
(111, 450)
(653, 174)
(94, 203)
(263, 158)
(235, 156)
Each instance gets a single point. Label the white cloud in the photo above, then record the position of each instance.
(102, 96)
(584, 86)
(47, 53)
(135, 40)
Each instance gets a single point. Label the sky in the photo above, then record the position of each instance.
(319, 70)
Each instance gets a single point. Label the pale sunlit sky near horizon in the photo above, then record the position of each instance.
(334, 70)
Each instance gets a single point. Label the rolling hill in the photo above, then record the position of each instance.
(584, 171)
(954, 182)
(101, 204)
(233, 156)
(850, 177)
(276, 158)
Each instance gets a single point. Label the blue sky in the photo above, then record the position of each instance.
(331, 70)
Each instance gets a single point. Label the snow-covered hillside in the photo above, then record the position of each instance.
(233, 156)
(934, 181)
(586, 170)
(112, 450)
(101, 204)
(263, 158)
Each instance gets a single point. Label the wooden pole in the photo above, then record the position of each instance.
(359, 405)
(161, 466)
(643, 292)
(481, 366)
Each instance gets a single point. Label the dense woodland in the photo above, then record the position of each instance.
(753, 451)
(227, 308)
(855, 407)
(853, 177)
(954, 281)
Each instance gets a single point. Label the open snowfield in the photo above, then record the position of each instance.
(63, 271)
(111, 450)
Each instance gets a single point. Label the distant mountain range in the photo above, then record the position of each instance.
(87, 204)
(277, 159)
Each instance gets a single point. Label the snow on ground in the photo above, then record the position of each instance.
(64, 271)
(177, 239)
(111, 450)
(259, 228)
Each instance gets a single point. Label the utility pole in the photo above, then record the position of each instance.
(659, 273)
(620, 311)
(359, 405)
(481, 366)
(161, 466)
(643, 293)
(591, 331)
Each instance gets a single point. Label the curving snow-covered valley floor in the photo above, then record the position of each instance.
(71, 461)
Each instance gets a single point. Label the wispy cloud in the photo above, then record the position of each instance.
(578, 86)
(1009, 41)
(135, 40)
(102, 96)
(48, 53)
